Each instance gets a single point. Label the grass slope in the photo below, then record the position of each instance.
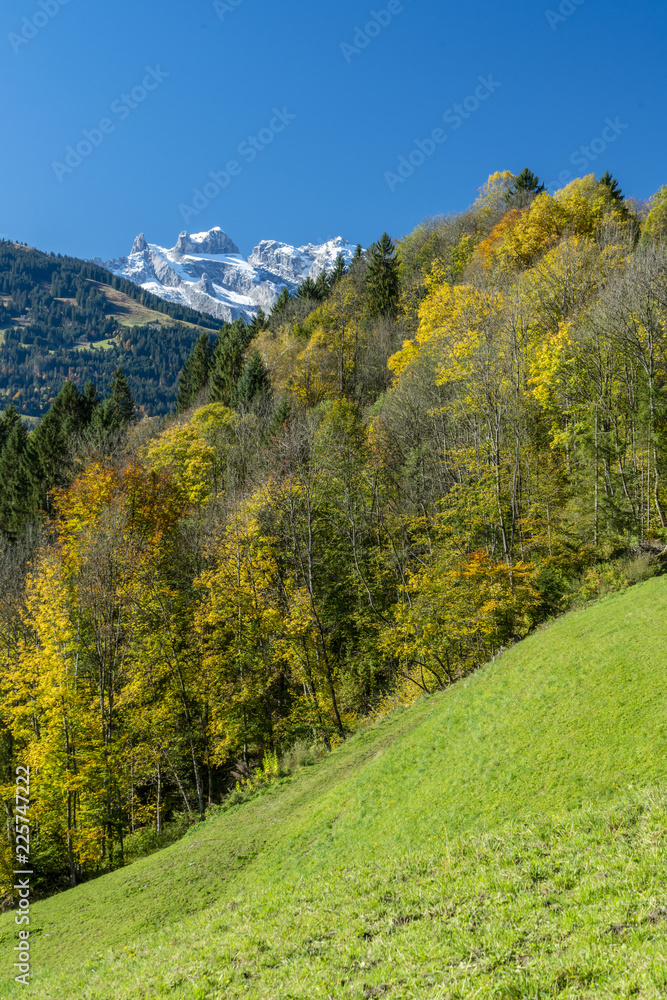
(495, 840)
(130, 313)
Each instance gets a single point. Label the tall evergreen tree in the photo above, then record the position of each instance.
(49, 458)
(254, 381)
(17, 506)
(281, 306)
(312, 290)
(196, 372)
(8, 421)
(90, 400)
(112, 417)
(382, 279)
(227, 363)
(257, 324)
(119, 405)
(525, 183)
(613, 186)
(338, 271)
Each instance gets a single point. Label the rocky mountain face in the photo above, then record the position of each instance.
(207, 272)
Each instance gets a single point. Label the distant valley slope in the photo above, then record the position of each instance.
(63, 318)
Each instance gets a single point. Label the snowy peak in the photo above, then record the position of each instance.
(215, 241)
(295, 265)
(207, 272)
(139, 244)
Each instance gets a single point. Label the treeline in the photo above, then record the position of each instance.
(57, 322)
(34, 466)
(361, 499)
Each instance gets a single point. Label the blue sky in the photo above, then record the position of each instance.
(189, 88)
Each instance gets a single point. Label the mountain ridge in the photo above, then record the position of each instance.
(207, 272)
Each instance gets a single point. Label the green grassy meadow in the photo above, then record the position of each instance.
(505, 838)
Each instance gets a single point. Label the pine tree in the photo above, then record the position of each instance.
(525, 183)
(322, 285)
(382, 280)
(257, 324)
(196, 372)
(119, 406)
(253, 383)
(8, 421)
(612, 184)
(90, 400)
(48, 462)
(309, 290)
(17, 506)
(69, 411)
(227, 363)
(282, 305)
(338, 272)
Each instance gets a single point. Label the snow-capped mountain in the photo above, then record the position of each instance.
(207, 272)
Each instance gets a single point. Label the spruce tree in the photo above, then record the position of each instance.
(338, 271)
(119, 406)
(196, 372)
(69, 411)
(17, 504)
(8, 421)
(525, 183)
(308, 290)
(227, 363)
(382, 279)
(257, 324)
(90, 400)
(322, 285)
(112, 417)
(49, 458)
(282, 305)
(613, 186)
(253, 383)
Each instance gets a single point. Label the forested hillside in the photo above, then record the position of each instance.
(63, 318)
(361, 499)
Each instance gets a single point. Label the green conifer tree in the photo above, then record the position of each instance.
(282, 305)
(227, 363)
(196, 372)
(8, 421)
(613, 186)
(257, 324)
(253, 383)
(119, 405)
(382, 279)
(309, 290)
(338, 271)
(17, 505)
(525, 183)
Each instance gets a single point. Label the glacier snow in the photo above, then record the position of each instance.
(207, 272)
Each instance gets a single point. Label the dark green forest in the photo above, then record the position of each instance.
(60, 320)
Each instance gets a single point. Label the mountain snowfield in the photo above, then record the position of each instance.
(207, 272)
